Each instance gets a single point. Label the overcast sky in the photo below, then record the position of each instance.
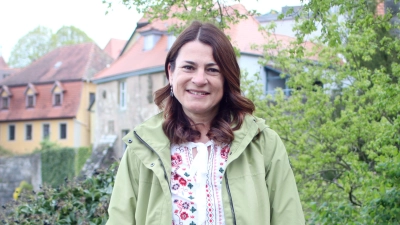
(18, 17)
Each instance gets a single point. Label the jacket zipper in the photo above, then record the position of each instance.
(230, 198)
(159, 158)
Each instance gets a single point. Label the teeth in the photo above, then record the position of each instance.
(197, 93)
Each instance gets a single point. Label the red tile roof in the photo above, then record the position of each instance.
(72, 62)
(44, 103)
(114, 47)
(243, 35)
(137, 59)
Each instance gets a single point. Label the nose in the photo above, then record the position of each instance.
(199, 78)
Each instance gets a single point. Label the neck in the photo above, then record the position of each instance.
(202, 124)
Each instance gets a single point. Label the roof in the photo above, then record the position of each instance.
(44, 103)
(73, 62)
(3, 64)
(135, 59)
(114, 47)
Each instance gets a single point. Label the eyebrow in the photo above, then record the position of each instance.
(193, 63)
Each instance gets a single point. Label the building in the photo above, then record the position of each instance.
(5, 71)
(50, 99)
(125, 89)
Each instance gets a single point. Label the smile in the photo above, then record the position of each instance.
(197, 92)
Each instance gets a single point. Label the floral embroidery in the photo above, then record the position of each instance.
(184, 215)
(176, 159)
(224, 152)
(182, 181)
(175, 187)
(185, 185)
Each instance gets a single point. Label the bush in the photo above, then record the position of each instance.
(57, 164)
(81, 155)
(75, 202)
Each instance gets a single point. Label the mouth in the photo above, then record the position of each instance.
(198, 92)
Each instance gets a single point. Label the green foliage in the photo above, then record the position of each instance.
(216, 12)
(74, 202)
(42, 40)
(57, 165)
(344, 137)
(81, 155)
(30, 47)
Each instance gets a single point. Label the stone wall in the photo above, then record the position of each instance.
(13, 170)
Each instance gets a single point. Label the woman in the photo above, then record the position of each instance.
(205, 159)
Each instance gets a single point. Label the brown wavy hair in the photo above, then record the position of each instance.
(233, 106)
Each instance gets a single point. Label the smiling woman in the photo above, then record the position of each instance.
(205, 159)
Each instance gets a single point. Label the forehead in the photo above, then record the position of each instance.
(196, 51)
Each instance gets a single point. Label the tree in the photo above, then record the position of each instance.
(41, 40)
(69, 35)
(30, 47)
(344, 137)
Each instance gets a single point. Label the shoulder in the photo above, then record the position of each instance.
(149, 128)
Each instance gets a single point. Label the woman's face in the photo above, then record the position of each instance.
(197, 81)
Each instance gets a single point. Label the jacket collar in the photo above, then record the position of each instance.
(152, 134)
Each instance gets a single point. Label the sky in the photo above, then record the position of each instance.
(17, 18)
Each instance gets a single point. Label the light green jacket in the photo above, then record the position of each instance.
(258, 188)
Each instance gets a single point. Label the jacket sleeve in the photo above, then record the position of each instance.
(285, 203)
(122, 206)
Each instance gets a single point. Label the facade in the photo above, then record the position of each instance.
(50, 99)
(125, 89)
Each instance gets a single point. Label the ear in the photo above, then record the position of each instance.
(170, 77)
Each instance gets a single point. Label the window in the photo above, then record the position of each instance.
(92, 97)
(46, 131)
(4, 103)
(122, 94)
(171, 40)
(63, 131)
(57, 99)
(124, 146)
(28, 132)
(150, 41)
(30, 101)
(11, 132)
(274, 80)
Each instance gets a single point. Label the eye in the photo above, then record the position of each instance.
(213, 70)
(188, 67)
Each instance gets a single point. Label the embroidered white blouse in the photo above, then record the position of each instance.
(196, 183)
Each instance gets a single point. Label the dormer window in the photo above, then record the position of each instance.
(151, 38)
(57, 98)
(58, 94)
(30, 93)
(30, 101)
(171, 40)
(5, 96)
(5, 102)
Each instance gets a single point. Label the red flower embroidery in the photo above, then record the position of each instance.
(224, 152)
(184, 215)
(176, 159)
(182, 181)
(176, 176)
